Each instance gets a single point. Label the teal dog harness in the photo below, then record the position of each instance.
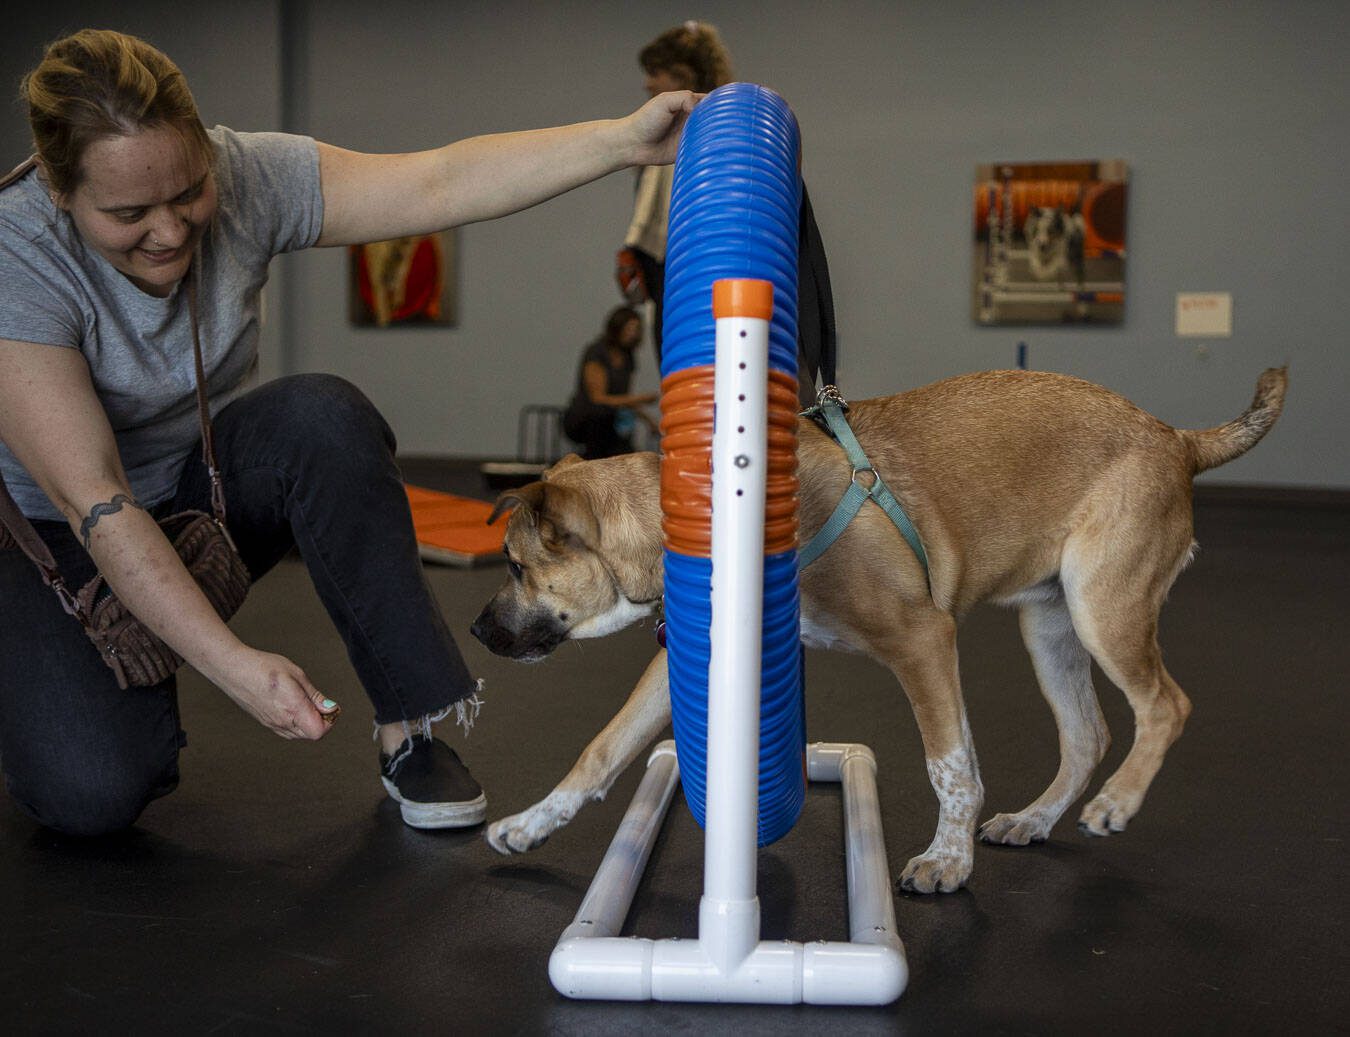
(829, 412)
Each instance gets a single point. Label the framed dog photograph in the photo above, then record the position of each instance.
(1050, 242)
(403, 282)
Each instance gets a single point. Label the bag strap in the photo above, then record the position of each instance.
(21, 529)
(203, 409)
(14, 521)
(19, 171)
(817, 337)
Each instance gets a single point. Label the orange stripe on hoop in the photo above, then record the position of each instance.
(780, 489)
(686, 462)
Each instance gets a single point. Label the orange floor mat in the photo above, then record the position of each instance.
(453, 530)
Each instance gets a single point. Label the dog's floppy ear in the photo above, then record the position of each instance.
(566, 462)
(529, 497)
(560, 513)
(565, 514)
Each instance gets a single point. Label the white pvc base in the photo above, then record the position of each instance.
(592, 962)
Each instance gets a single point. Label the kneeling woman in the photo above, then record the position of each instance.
(131, 200)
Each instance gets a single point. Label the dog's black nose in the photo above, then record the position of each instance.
(493, 636)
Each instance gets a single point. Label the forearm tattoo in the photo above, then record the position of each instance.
(99, 510)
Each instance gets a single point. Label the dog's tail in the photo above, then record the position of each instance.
(1212, 447)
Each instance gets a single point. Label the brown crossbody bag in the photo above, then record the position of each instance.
(135, 654)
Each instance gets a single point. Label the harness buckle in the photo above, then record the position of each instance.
(831, 394)
(864, 470)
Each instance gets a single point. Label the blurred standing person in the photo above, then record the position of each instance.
(690, 56)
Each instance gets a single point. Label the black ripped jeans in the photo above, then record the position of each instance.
(308, 462)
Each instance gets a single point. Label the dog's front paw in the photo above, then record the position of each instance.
(936, 872)
(1104, 815)
(529, 829)
(1017, 829)
(519, 833)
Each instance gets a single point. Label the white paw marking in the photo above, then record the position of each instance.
(943, 870)
(525, 831)
(1017, 829)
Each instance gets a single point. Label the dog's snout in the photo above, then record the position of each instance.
(495, 635)
(482, 625)
(534, 641)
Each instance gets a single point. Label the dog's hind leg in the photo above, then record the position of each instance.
(633, 728)
(1115, 612)
(925, 663)
(1064, 672)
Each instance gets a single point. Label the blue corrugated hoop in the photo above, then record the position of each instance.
(733, 214)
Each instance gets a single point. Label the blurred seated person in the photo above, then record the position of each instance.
(602, 412)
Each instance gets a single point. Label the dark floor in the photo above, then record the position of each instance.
(277, 889)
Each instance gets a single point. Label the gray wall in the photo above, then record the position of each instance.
(1231, 116)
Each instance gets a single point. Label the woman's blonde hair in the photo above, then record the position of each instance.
(694, 47)
(99, 83)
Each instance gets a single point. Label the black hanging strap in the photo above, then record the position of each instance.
(817, 344)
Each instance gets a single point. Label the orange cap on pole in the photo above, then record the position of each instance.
(742, 297)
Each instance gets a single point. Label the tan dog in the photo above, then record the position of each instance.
(1029, 489)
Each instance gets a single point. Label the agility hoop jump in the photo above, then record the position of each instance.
(729, 503)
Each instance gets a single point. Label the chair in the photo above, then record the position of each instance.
(538, 445)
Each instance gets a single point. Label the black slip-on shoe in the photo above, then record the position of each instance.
(432, 786)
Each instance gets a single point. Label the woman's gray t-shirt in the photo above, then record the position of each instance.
(57, 291)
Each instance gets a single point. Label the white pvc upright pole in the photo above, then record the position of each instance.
(729, 910)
